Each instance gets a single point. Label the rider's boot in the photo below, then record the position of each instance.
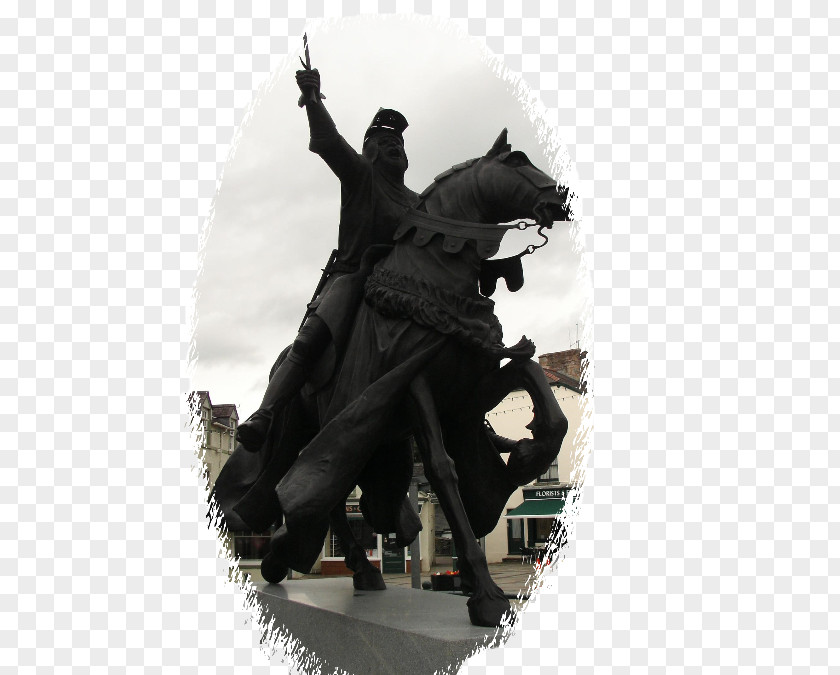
(286, 382)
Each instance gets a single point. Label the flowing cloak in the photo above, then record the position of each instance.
(421, 313)
(371, 205)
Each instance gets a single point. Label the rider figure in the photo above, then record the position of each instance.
(373, 197)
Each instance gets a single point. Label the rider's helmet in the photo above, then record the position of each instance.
(387, 121)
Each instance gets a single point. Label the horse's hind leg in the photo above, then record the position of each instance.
(365, 575)
(488, 605)
(273, 569)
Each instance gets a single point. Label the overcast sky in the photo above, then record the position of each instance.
(276, 212)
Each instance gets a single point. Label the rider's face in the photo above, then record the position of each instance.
(391, 152)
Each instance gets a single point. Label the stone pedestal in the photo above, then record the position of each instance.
(398, 630)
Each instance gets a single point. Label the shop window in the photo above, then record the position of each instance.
(542, 529)
(550, 476)
(251, 545)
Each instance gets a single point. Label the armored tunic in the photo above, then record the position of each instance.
(371, 201)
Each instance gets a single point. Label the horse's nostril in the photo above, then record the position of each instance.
(556, 206)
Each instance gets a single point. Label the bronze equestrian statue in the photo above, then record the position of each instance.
(400, 343)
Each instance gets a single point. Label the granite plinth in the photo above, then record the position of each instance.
(398, 630)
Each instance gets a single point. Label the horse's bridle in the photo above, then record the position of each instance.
(521, 225)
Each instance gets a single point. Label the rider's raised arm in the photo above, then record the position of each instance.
(324, 138)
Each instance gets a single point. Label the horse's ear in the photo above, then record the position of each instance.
(500, 144)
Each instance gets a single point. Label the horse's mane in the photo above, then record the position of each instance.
(442, 176)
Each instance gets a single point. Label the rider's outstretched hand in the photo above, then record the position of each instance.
(309, 81)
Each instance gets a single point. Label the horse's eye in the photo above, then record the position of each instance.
(517, 159)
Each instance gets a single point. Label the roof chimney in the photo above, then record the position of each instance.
(567, 362)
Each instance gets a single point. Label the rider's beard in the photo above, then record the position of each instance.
(392, 167)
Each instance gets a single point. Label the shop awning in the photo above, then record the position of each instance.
(537, 508)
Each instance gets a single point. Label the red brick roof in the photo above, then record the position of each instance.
(557, 377)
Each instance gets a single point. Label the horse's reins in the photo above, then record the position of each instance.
(520, 225)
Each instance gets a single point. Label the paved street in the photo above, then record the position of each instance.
(511, 577)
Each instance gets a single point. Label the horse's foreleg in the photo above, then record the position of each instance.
(365, 575)
(488, 605)
(493, 387)
(531, 458)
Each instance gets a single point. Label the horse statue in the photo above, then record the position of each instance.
(422, 358)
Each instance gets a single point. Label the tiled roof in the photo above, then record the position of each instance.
(224, 410)
(560, 378)
(202, 396)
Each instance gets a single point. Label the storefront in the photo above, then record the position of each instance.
(382, 551)
(530, 524)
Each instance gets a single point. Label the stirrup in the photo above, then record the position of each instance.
(255, 430)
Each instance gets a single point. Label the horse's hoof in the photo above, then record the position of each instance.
(530, 459)
(369, 579)
(488, 609)
(467, 581)
(272, 568)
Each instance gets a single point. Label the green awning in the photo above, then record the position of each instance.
(537, 508)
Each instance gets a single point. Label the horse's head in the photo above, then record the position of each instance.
(501, 186)
(512, 187)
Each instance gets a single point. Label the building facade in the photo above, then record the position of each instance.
(218, 432)
(217, 429)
